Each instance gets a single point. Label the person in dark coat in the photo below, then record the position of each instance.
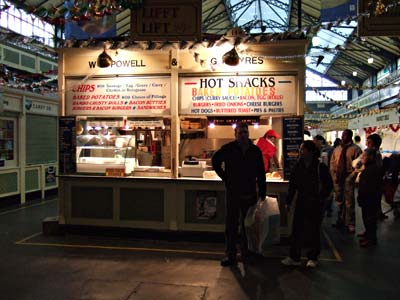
(240, 165)
(312, 182)
(369, 195)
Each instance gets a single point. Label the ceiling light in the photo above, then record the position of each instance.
(320, 59)
(316, 41)
(354, 73)
(370, 60)
(104, 60)
(231, 58)
(343, 82)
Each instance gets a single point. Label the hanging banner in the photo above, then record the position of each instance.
(332, 10)
(166, 20)
(237, 95)
(125, 96)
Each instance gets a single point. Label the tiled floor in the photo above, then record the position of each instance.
(77, 267)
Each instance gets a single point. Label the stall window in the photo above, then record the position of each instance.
(8, 151)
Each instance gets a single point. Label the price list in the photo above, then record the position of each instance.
(67, 147)
(291, 141)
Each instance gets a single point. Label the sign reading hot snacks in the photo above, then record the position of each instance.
(243, 95)
(119, 96)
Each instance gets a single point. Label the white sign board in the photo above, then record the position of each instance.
(237, 95)
(380, 119)
(127, 96)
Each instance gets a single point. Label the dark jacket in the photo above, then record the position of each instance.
(371, 184)
(309, 186)
(242, 173)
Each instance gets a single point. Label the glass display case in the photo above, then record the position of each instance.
(139, 147)
(97, 153)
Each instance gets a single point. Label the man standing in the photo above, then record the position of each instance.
(357, 141)
(240, 166)
(344, 179)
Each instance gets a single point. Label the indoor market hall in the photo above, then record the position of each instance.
(199, 150)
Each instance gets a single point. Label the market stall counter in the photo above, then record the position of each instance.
(182, 204)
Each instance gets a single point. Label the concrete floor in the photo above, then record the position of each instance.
(93, 267)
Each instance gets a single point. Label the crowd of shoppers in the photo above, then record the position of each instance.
(242, 167)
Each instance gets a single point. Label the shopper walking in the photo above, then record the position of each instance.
(240, 165)
(369, 195)
(344, 180)
(311, 181)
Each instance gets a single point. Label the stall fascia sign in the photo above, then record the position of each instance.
(238, 95)
(379, 119)
(11, 104)
(125, 96)
(40, 108)
(124, 62)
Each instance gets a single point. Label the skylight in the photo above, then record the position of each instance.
(328, 40)
(261, 16)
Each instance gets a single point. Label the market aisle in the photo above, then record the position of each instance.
(76, 267)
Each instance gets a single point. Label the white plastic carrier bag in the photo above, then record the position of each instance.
(262, 224)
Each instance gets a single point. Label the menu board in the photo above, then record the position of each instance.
(237, 95)
(67, 147)
(130, 96)
(291, 140)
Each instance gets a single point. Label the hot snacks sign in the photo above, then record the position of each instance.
(237, 95)
(129, 96)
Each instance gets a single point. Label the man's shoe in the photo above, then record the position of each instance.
(288, 261)
(227, 261)
(312, 263)
(351, 229)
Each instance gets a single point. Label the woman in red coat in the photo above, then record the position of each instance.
(268, 147)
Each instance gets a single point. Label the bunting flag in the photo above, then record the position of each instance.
(332, 10)
(88, 26)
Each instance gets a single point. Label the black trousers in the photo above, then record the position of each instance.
(369, 212)
(306, 232)
(236, 210)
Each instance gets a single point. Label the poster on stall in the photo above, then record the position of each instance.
(237, 95)
(130, 96)
(206, 206)
(291, 140)
(50, 175)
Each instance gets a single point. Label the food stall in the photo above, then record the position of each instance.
(137, 137)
